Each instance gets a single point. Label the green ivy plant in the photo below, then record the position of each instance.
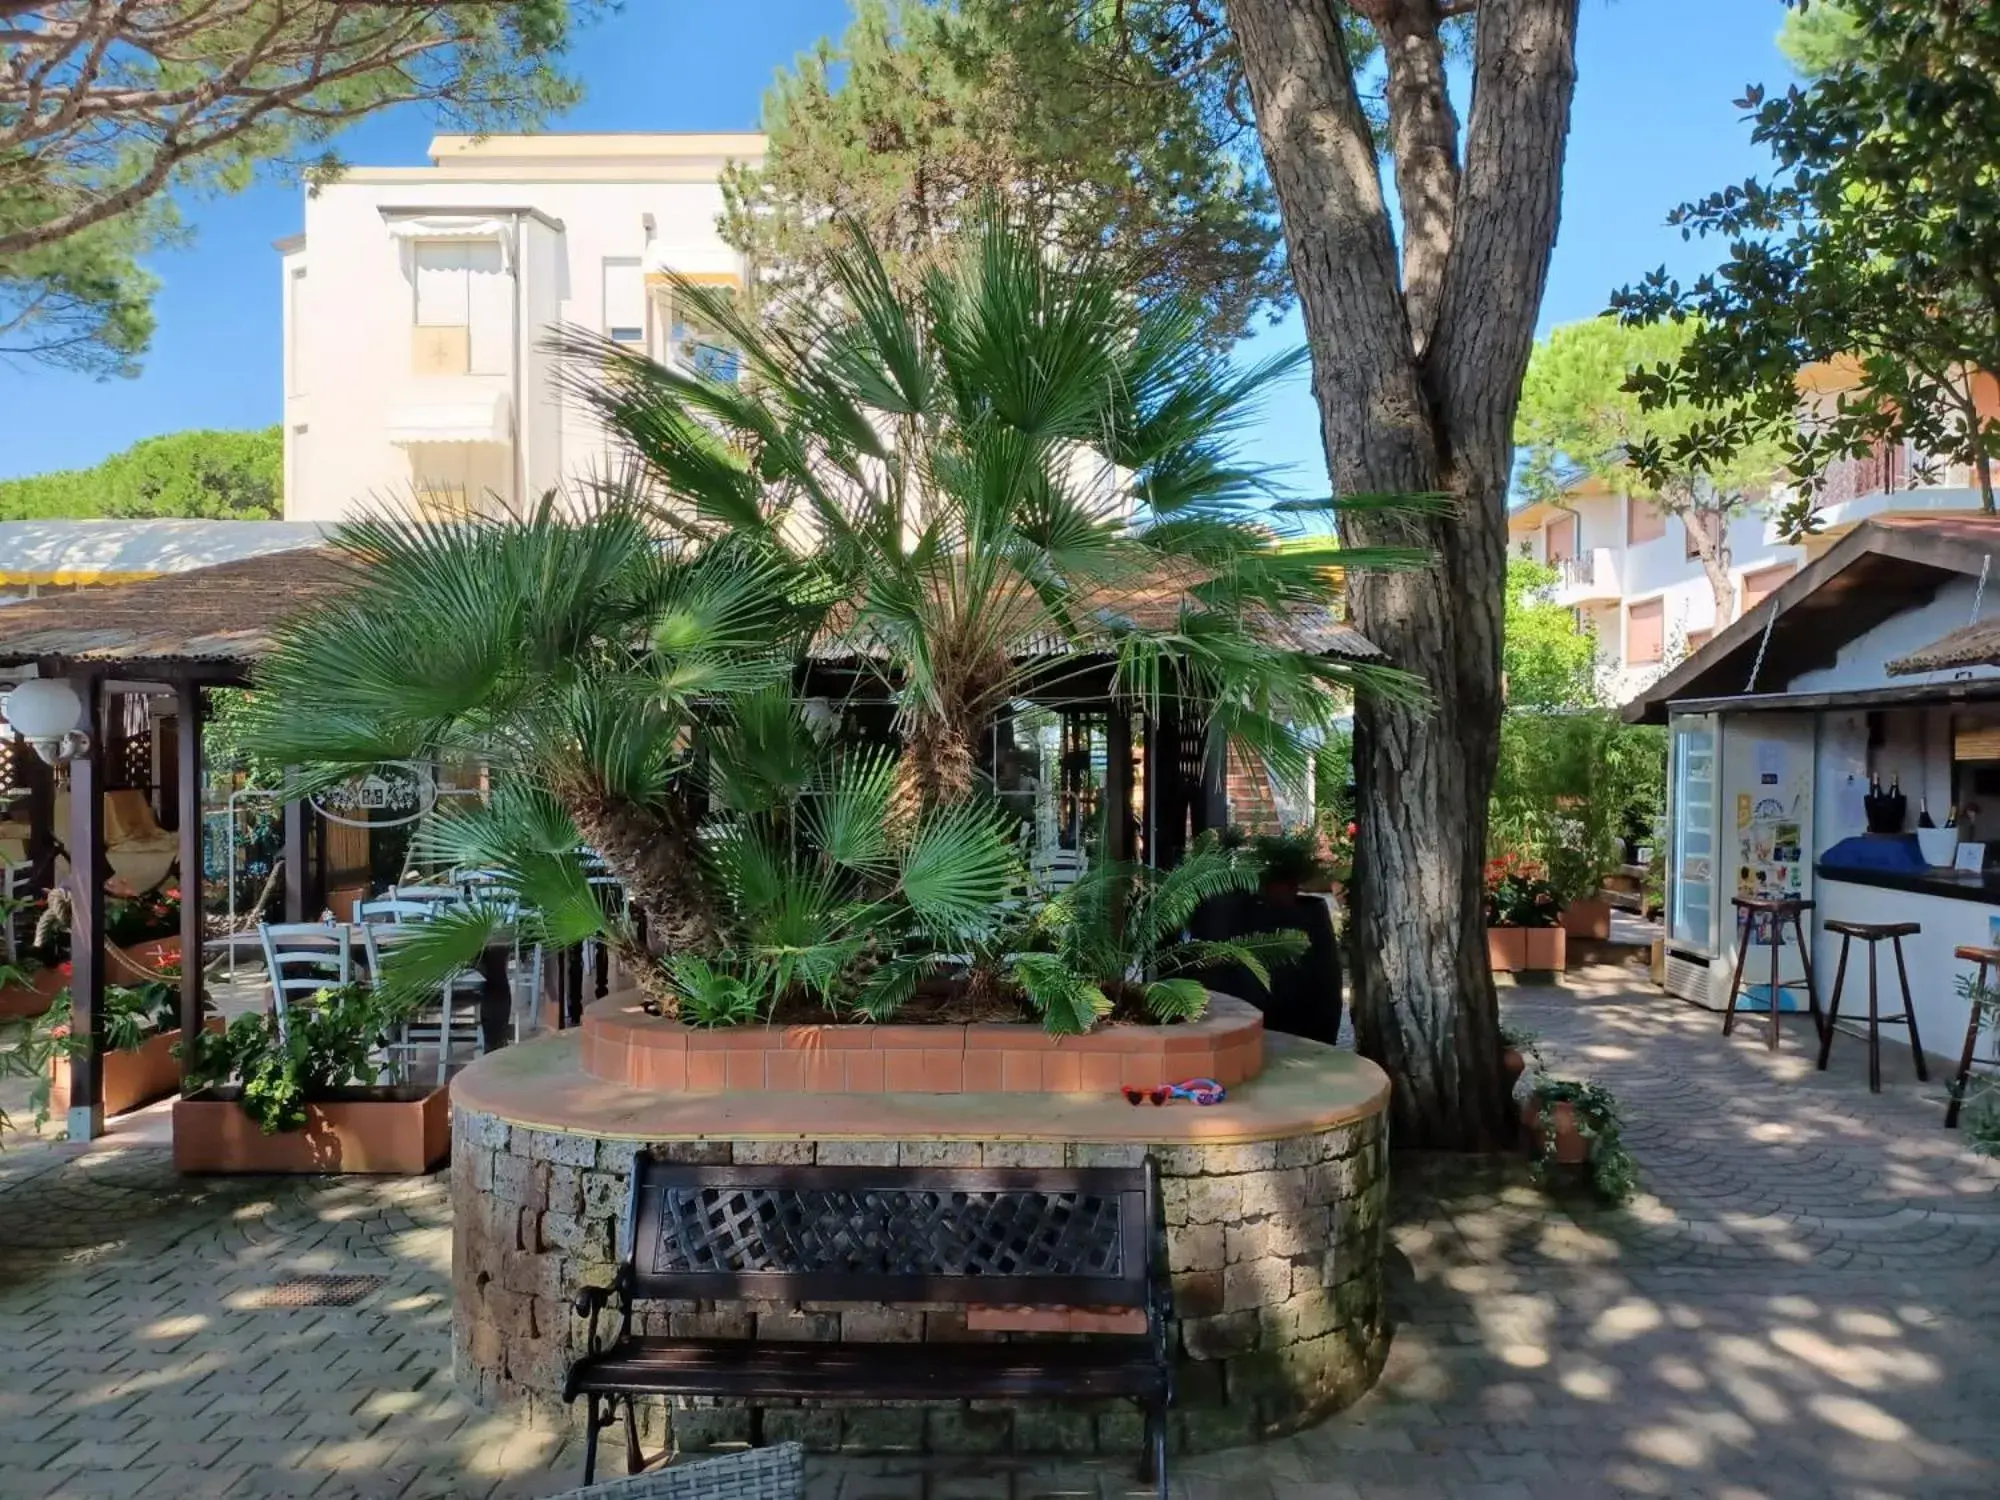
(1614, 1175)
(328, 1043)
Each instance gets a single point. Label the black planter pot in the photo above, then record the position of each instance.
(1304, 997)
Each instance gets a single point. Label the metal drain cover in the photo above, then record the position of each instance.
(315, 1291)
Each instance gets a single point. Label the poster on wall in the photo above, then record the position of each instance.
(1772, 798)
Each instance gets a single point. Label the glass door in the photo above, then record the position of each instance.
(1691, 814)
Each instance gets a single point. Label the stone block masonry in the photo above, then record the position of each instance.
(1275, 1248)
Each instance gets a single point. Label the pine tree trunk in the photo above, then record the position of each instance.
(1417, 370)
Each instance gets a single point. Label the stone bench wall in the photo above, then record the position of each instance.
(1275, 1247)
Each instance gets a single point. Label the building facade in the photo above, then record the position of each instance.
(417, 298)
(1636, 581)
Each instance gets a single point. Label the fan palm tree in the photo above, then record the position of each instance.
(572, 655)
(986, 474)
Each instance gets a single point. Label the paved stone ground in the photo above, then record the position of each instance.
(1803, 1302)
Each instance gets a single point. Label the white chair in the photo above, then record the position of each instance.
(1057, 870)
(453, 1014)
(435, 896)
(391, 911)
(303, 958)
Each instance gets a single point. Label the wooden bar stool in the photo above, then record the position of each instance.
(1780, 909)
(1872, 933)
(1986, 958)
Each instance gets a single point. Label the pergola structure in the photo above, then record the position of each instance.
(185, 632)
(208, 627)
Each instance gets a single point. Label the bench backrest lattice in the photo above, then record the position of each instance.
(1034, 1237)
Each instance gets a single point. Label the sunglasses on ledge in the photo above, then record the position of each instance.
(1196, 1090)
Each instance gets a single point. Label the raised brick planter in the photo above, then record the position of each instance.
(1274, 1204)
(622, 1044)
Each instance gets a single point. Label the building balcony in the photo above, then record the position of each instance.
(1591, 577)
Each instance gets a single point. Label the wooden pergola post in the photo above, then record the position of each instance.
(1118, 784)
(295, 851)
(86, 927)
(188, 701)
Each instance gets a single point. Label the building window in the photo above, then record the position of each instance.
(696, 345)
(624, 301)
(1559, 544)
(464, 308)
(1643, 523)
(295, 328)
(1645, 633)
(1760, 585)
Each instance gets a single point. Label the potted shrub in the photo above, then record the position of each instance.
(306, 1096)
(1522, 932)
(142, 1033)
(1290, 863)
(1575, 1125)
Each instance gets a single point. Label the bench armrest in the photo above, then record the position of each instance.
(592, 1300)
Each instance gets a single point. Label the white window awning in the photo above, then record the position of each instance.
(703, 265)
(447, 227)
(465, 419)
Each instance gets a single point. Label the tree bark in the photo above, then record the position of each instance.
(1712, 546)
(656, 854)
(1415, 400)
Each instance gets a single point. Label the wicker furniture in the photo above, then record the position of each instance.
(1054, 1238)
(775, 1473)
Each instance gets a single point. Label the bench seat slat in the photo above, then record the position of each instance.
(1118, 1367)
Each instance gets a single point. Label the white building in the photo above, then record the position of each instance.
(1633, 575)
(416, 300)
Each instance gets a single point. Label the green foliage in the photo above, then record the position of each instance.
(325, 1044)
(1614, 1175)
(1870, 247)
(133, 1014)
(1291, 857)
(84, 304)
(1569, 788)
(1579, 419)
(1821, 38)
(936, 466)
(229, 476)
(115, 108)
(922, 108)
(1548, 660)
(712, 996)
(1117, 932)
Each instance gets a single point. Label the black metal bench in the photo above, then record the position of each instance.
(1040, 1238)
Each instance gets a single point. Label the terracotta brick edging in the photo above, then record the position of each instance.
(624, 1045)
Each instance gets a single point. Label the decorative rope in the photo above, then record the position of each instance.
(1762, 645)
(1978, 594)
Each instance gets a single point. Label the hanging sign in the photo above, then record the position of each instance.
(392, 794)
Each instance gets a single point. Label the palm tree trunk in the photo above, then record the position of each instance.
(655, 851)
(938, 767)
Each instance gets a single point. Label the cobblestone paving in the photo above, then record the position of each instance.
(1803, 1302)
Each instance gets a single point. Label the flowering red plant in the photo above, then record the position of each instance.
(1518, 893)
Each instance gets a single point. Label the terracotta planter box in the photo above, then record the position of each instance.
(1587, 919)
(1572, 1145)
(21, 1001)
(403, 1130)
(622, 1044)
(140, 961)
(131, 1079)
(1514, 949)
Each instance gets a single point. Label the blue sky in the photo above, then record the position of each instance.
(1653, 126)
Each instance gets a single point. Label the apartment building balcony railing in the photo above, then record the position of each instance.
(1591, 577)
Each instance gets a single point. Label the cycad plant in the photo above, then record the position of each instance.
(1009, 471)
(1114, 941)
